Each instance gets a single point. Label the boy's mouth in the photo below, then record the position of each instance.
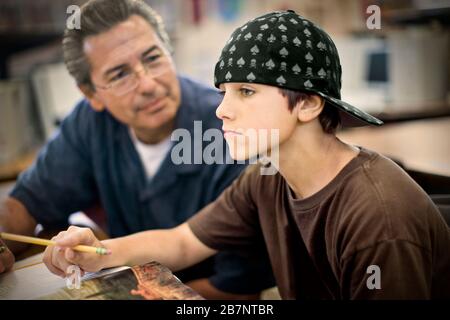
(230, 133)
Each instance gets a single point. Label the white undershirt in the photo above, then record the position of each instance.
(151, 155)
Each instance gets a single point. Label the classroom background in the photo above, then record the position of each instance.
(396, 68)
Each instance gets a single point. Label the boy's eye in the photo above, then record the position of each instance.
(222, 93)
(246, 92)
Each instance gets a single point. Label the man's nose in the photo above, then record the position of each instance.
(146, 81)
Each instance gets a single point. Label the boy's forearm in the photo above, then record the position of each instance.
(176, 248)
(140, 248)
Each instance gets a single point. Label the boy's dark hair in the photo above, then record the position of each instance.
(329, 117)
(98, 16)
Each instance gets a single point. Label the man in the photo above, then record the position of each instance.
(339, 221)
(115, 147)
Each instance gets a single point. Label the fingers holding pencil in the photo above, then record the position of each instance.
(54, 260)
(75, 236)
(45, 242)
(59, 257)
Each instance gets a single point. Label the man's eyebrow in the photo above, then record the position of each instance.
(116, 68)
(149, 50)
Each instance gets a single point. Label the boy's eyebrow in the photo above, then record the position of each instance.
(116, 68)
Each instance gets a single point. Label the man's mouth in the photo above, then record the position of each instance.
(152, 107)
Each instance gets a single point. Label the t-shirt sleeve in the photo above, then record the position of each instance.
(60, 181)
(230, 224)
(231, 221)
(387, 245)
(391, 269)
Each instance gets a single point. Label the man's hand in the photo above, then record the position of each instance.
(59, 257)
(6, 257)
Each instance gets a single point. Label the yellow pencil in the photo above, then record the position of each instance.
(45, 242)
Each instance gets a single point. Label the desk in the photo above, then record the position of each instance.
(30, 279)
(422, 145)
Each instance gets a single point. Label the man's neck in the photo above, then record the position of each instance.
(310, 160)
(154, 136)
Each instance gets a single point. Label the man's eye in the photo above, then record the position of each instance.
(150, 59)
(222, 93)
(246, 92)
(120, 75)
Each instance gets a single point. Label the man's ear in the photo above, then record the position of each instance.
(309, 107)
(91, 95)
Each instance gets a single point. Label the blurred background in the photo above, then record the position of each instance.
(398, 71)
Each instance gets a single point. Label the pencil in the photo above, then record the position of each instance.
(45, 242)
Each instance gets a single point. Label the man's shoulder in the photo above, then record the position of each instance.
(202, 99)
(87, 128)
(83, 110)
(196, 88)
(84, 118)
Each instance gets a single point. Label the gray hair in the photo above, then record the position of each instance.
(98, 16)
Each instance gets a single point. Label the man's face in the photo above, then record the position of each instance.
(126, 51)
(251, 114)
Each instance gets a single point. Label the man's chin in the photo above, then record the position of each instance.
(155, 120)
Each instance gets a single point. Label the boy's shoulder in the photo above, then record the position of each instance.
(379, 201)
(383, 183)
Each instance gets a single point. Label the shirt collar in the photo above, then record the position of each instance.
(184, 119)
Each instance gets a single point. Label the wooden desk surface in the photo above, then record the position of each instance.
(422, 145)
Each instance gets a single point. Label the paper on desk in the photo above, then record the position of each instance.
(30, 279)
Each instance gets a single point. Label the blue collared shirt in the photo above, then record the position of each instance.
(92, 159)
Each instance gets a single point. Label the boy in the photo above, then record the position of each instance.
(116, 151)
(339, 222)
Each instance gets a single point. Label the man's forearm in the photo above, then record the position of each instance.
(14, 218)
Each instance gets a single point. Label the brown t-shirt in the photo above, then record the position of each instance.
(371, 222)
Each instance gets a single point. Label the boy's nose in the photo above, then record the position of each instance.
(224, 111)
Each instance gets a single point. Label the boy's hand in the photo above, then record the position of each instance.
(59, 257)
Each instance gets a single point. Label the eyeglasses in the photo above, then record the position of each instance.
(127, 79)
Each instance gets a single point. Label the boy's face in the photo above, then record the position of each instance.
(255, 118)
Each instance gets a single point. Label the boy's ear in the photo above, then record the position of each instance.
(91, 95)
(310, 107)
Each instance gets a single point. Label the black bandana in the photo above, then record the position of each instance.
(284, 49)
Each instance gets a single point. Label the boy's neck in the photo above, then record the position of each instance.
(310, 159)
